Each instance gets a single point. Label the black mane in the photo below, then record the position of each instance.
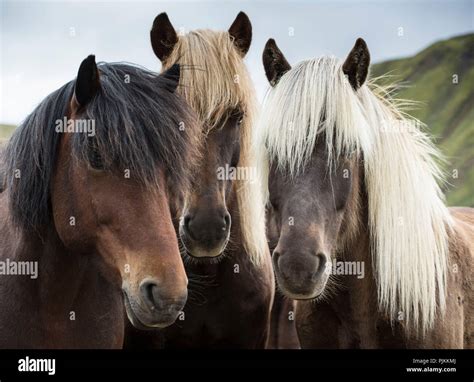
(137, 127)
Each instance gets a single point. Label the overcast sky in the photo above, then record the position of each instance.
(43, 43)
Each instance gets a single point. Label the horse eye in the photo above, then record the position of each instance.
(238, 116)
(95, 160)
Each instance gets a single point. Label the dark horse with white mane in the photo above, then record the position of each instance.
(365, 243)
(85, 214)
(223, 219)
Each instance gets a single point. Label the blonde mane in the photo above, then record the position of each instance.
(408, 220)
(214, 82)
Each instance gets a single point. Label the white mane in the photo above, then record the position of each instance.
(408, 219)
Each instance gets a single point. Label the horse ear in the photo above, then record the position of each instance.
(87, 81)
(172, 76)
(274, 62)
(356, 66)
(163, 36)
(241, 32)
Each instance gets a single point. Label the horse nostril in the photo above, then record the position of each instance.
(152, 296)
(226, 221)
(187, 226)
(149, 290)
(321, 266)
(186, 221)
(275, 257)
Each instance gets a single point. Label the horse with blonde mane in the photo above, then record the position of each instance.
(222, 227)
(365, 242)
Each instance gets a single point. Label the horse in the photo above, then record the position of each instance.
(222, 227)
(85, 219)
(365, 242)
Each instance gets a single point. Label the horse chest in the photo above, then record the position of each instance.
(229, 309)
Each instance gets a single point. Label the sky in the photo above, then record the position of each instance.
(42, 43)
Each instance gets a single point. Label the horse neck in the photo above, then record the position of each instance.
(68, 305)
(61, 274)
(355, 299)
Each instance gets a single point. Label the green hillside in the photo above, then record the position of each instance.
(6, 131)
(446, 107)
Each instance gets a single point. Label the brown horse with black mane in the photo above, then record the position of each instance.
(85, 216)
(223, 222)
(364, 241)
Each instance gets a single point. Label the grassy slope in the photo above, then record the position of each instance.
(6, 131)
(447, 108)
